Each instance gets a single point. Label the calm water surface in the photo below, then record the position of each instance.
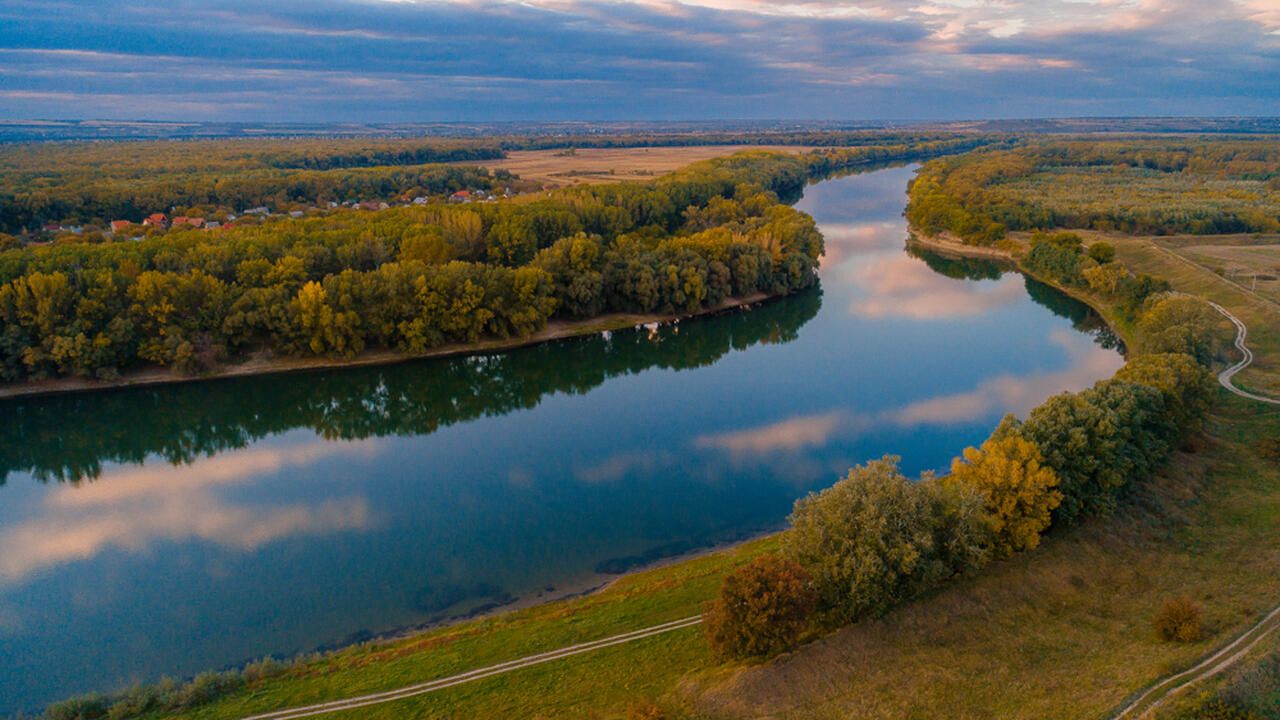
(172, 530)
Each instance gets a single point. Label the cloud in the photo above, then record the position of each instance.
(653, 59)
(133, 509)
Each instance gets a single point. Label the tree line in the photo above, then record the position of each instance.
(71, 437)
(877, 539)
(407, 278)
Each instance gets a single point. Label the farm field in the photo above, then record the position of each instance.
(586, 166)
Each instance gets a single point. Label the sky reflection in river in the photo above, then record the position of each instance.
(217, 522)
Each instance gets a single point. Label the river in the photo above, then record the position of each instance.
(174, 529)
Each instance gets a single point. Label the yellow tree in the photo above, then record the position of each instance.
(1018, 491)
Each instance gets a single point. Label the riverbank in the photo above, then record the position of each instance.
(1010, 252)
(262, 363)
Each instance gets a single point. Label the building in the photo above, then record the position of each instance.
(193, 222)
(159, 220)
(462, 196)
(120, 225)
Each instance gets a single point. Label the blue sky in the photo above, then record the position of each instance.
(407, 60)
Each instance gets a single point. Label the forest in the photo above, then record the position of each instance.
(1150, 187)
(413, 278)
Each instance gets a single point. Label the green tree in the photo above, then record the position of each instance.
(868, 541)
(1187, 386)
(1174, 323)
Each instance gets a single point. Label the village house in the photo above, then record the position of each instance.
(159, 220)
(184, 220)
(462, 196)
(120, 225)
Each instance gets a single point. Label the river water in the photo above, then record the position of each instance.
(171, 530)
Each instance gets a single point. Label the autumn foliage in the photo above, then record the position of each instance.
(1018, 491)
(762, 609)
(1179, 620)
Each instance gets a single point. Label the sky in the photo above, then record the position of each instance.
(427, 60)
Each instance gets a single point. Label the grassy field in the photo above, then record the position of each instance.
(554, 168)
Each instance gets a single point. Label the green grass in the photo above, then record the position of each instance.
(605, 681)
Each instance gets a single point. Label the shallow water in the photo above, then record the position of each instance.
(177, 529)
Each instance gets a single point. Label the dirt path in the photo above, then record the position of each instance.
(1246, 360)
(1160, 693)
(1155, 696)
(477, 674)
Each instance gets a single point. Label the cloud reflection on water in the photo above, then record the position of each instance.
(1001, 394)
(898, 285)
(134, 508)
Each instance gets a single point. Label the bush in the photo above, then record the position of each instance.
(87, 707)
(1102, 253)
(1179, 621)
(762, 609)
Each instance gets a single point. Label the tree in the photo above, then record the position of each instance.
(868, 541)
(1187, 386)
(761, 610)
(1019, 493)
(1173, 323)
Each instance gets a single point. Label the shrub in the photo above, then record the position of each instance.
(869, 541)
(1178, 620)
(1019, 493)
(87, 707)
(1102, 253)
(762, 609)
